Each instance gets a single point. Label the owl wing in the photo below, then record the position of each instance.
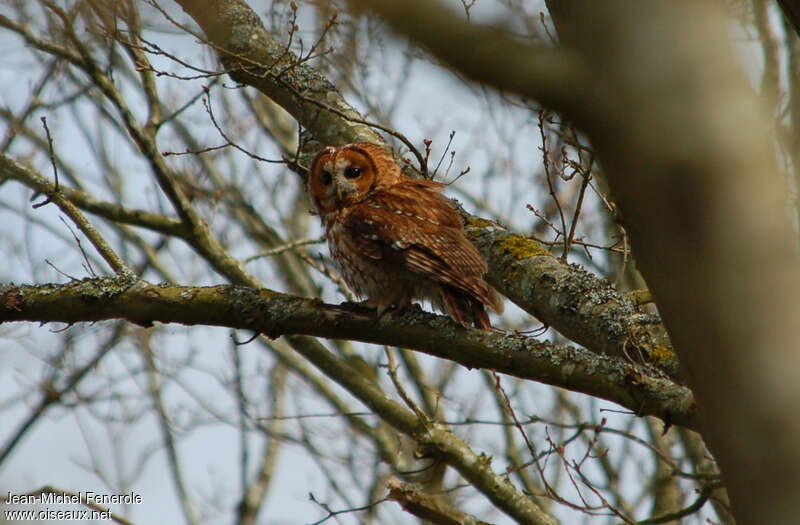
(413, 224)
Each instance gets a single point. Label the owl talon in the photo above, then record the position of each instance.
(384, 308)
(356, 305)
(381, 309)
(399, 308)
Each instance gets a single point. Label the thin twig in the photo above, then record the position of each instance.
(546, 161)
(56, 196)
(333, 513)
(288, 246)
(207, 105)
(571, 235)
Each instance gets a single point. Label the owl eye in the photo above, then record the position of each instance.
(352, 173)
(326, 178)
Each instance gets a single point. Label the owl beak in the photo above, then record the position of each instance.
(339, 192)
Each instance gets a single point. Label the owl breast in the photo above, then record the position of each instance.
(377, 280)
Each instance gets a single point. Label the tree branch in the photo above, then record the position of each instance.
(580, 306)
(556, 75)
(643, 390)
(791, 10)
(10, 169)
(427, 506)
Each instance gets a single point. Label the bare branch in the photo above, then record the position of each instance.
(644, 391)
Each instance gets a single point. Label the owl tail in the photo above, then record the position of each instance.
(494, 299)
(466, 310)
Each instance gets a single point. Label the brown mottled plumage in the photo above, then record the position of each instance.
(396, 239)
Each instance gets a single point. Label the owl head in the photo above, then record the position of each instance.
(343, 176)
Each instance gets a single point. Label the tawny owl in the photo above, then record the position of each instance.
(396, 239)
